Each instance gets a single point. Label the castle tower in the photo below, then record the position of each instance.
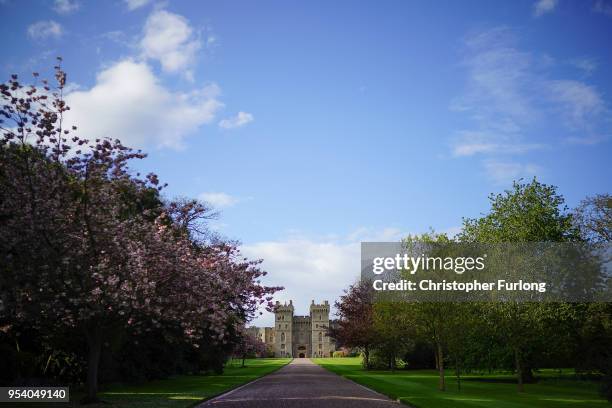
(283, 328)
(319, 320)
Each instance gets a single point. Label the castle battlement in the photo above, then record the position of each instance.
(285, 307)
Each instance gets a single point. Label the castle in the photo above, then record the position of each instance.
(297, 336)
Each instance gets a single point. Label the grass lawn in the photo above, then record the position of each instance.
(419, 388)
(184, 391)
(181, 391)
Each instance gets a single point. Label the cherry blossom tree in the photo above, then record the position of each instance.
(90, 246)
(249, 345)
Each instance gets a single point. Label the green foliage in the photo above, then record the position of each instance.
(529, 212)
(421, 356)
(393, 323)
(595, 342)
(594, 218)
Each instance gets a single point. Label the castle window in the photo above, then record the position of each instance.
(317, 326)
(320, 337)
(286, 325)
(320, 346)
(282, 346)
(283, 338)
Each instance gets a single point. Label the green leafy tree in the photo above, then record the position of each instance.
(528, 212)
(393, 323)
(432, 319)
(593, 218)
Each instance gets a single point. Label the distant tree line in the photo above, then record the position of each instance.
(101, 278)
(471, 337)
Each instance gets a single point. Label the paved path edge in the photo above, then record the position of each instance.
(236, 388)
(367, 388)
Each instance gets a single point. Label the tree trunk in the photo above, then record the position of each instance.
(527, 373)
(519, 370)
(458, 373)
(94, 343)
(243, 358)
(436, 358)
(366, 357)
(441, 384)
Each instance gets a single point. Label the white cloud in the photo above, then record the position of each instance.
(469, 148)
(498, 97)
(134, 4)
(503, 173)
(128, 102)
(470, 143)
(241, 119)
(42, 30)
(515, 104)
(218, 199)
(169, 39)
(587, 65)
(542, 7)
(121, 38)
(65, 6)
(578, 100)
(497, 76)
(588, 141)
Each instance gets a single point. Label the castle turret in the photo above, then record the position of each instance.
(283, 327)
(319, 320)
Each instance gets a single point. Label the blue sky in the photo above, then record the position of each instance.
(315, 125)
